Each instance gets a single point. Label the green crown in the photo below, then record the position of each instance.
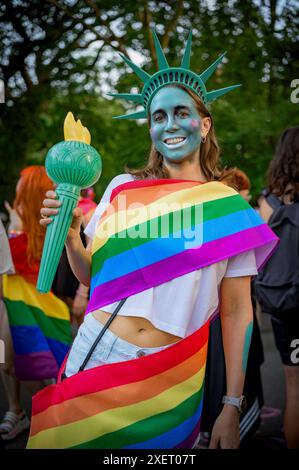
(168, 75)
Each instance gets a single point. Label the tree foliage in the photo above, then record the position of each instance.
(61, 55)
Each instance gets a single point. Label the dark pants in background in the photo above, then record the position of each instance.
(215, 382)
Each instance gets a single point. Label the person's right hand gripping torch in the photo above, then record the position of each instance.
(74, 165)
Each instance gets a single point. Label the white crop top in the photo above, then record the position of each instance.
(182, 305)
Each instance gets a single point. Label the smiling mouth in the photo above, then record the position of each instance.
(174, 141)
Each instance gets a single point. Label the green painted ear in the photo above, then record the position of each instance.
(170, 75)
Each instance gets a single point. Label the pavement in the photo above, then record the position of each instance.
(270, 433)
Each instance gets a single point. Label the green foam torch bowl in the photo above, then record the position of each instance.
(72, 165)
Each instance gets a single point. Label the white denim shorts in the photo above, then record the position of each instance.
(111, 347)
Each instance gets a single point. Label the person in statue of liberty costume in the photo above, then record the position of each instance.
(184, 148)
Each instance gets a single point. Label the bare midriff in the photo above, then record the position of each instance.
(136, 330)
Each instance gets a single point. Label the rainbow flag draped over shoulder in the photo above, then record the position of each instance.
(156, 230)
(154, 401)
(39, 323)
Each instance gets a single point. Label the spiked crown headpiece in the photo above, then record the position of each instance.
(168, 75)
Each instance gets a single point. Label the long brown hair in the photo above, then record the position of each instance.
(209, 158)
(33, 185)
(283, 171)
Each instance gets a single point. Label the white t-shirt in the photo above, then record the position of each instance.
(184, 304)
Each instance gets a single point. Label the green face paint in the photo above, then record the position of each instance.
(247, 342)
(175, 124)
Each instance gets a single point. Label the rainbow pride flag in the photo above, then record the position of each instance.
(155, 401)
(152, 402)
(40, 328)
(215, 220)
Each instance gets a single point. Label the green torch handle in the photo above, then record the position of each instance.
(56, 235)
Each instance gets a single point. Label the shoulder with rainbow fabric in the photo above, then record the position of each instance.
(167, 75)
(220, 221)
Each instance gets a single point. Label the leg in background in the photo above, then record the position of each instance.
(11, 383)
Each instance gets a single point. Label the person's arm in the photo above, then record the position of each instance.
(236, 322)
(80, 300)
(79, 257)
(6, 262)
(15, 222)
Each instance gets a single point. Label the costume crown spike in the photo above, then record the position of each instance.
(162, 62)
(211, 69)
(171, 75)
(185, 64)
(144, 76)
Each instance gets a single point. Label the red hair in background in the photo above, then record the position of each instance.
(241, 180)
(30, 193)
(237, 179)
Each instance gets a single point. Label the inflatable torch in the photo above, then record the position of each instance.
(73, 165)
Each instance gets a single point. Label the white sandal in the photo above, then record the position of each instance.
(13, 424)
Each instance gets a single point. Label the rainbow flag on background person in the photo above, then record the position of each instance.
(154, 401)
(40, 329)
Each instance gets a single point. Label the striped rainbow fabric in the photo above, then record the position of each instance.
(124, 264)
(40, 328)
(152, 402)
